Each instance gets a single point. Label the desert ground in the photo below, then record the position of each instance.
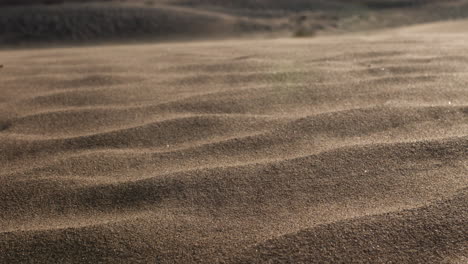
(339, 148)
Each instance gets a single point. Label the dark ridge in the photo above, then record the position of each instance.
(305, 5)
(375, 4)
(75, 23)
(44, 2)
(292, 5)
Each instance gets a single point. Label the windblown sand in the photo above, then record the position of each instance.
(327, 150)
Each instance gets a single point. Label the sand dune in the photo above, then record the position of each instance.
(95, 23)
(347, 149)
(28, 23)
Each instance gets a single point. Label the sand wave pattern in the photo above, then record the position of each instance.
(278, 151)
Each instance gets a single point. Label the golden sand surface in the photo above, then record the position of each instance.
(335, 149)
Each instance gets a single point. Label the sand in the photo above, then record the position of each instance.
(28, 24)
(338, 149)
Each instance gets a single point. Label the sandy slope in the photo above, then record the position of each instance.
(27, 23)
(325, 150)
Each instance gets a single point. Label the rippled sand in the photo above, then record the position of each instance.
(327, 150)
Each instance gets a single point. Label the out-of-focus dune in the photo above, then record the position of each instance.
(26, 23)
(335, 149)
(82, 23)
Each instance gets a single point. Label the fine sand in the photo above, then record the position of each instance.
(338, 149)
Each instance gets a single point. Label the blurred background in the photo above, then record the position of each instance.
(25, 22)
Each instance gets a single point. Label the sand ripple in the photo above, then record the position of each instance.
(302, 151)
